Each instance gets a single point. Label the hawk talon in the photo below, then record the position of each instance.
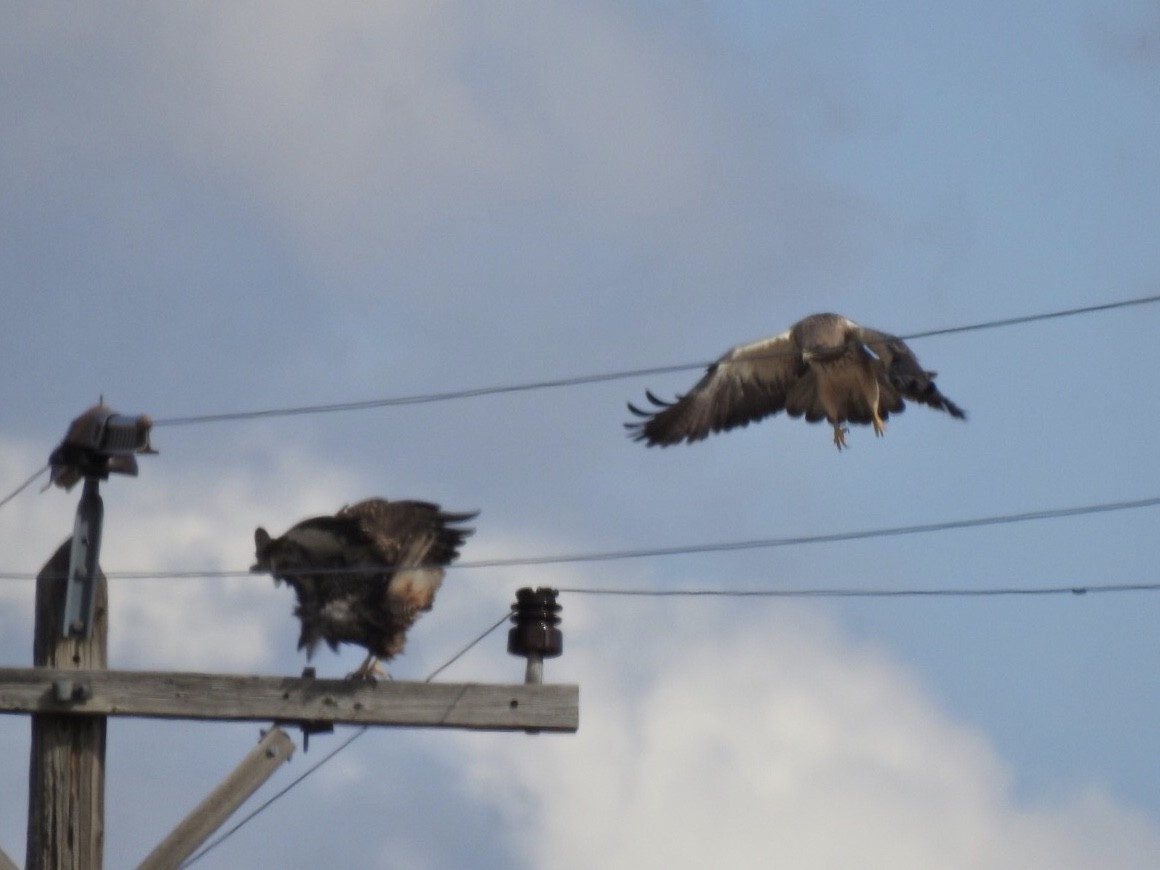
(840, 433)
(369, 671)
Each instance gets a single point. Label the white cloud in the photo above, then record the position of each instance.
(354, 118)
(32, 526)
(781, 744)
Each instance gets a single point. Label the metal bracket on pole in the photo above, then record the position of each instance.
(308, 727)
(83, 561)
(98, 443)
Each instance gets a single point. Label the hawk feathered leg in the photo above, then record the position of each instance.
(370, 670)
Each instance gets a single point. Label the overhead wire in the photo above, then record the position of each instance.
(578, 380)
(834, 537)
(852, 592)
(466, 649)
(23, 486)
(678, 550)
(601, 377)
(258, 810)
(1033, 318)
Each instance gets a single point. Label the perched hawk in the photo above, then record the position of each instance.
(363, 575)
(825, 366)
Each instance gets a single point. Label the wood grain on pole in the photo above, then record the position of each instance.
(66, 778)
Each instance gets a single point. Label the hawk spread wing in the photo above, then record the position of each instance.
(363, 575)
(825, 367)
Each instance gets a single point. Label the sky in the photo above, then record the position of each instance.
(217, 208)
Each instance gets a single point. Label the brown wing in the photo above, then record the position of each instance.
(416, 539)
(420, 531)
(901, 376)
(748, 383)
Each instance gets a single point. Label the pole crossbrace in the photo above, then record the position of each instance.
(289, 700)
(272, 751)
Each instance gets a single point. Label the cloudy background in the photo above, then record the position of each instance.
(229, 207)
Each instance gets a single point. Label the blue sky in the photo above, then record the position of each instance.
(230, 207)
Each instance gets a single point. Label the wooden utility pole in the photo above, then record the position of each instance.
(66, 776)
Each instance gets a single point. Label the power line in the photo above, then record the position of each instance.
(680, 550)
(23, 486)
(769, 543)
(1033, 318)
(579, 380)
(258, 810)
(989, 592)
(467, 648)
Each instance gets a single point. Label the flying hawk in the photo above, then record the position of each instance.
(364, 575)
(823, 367)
